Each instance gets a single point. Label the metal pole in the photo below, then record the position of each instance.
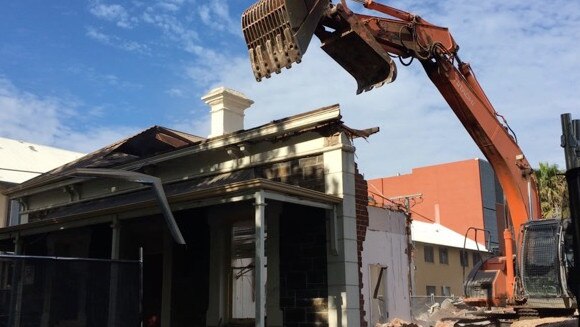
(259, 285)
(571, 141)
(114, 271)
(141, 285)
(530, 200)
(136, 177)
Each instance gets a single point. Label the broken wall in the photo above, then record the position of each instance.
(385, 247)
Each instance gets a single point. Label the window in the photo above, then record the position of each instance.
(464, 258)
(431, 290)
(443, 256)
(476, 258)
(243, 241)
(428, 253)
(445, 291)
(14, 215)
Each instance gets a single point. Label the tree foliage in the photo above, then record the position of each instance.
(553, 191)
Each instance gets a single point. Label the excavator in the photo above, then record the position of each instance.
(534, 269)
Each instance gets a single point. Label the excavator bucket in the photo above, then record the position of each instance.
(278, 32)
(358, 52)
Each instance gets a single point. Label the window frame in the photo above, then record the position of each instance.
(446, 291)
(443, 255)
(464, 258)
(430, 287)
(429, 254)
(476, 257)
(13, 216)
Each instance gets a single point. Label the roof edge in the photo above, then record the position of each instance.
(277, 127)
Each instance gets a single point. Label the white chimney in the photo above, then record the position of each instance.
(227, 110)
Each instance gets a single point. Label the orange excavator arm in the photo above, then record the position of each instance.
(435, 48)
(277, 36)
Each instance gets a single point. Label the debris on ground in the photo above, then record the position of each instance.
(397, 323)
(547, 322)
(445, 313)
(453, 312)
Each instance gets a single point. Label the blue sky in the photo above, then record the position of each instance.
(82, 74)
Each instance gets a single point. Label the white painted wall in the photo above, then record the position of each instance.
(385, 244)
(343, 284)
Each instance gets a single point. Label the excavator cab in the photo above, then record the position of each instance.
(278, 33)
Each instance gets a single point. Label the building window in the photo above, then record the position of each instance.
(243, 241)
(464, 258)
(443, 256)
(431, 290)
(476, 258)
(429, 256)
(14, 215)
(445, 291)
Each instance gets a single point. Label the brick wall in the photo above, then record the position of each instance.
(303, 271)
(362, 222)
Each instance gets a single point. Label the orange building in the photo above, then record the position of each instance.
(457, 195)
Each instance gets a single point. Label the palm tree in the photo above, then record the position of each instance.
(553, 191)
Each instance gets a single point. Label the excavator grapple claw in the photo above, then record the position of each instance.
(278, 32)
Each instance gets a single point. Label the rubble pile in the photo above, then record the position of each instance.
(455, 313)
(397, 323)
(446, 313)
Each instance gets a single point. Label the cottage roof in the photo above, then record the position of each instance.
(160, 143)
(152, 141)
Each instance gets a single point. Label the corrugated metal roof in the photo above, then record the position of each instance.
(21, 161)
(440, 235)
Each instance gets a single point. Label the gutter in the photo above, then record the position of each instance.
(143, 179)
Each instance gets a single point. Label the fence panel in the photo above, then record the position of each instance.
(69, 292)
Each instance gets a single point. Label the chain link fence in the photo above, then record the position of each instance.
(69, 292)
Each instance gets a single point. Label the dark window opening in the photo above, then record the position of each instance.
(443, 256)
(464, 258)
(429, 253)
(431, 290)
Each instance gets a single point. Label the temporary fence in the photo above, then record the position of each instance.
(66, 292)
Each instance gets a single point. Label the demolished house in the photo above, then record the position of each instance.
(202, 214)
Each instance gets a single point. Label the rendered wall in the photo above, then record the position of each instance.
(386, 245)
(438, 274)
